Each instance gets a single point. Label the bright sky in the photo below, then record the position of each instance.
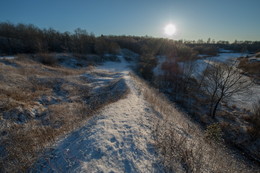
(194, 19)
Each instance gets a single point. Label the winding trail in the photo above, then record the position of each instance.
(118, 139)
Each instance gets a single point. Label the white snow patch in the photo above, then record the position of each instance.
(223, 57)
(7, 57)
(111, 66)
(248, 99)
(203, 55)
(225, 50)
(202, 64)
(254, 59)
(158, 69)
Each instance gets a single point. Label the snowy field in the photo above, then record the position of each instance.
(117, 139)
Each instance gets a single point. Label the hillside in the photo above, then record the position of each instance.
(117, 139)
(99, 118)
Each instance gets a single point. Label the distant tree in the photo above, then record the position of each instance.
(200, 41)
(208, 41)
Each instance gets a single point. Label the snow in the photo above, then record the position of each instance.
(224, 57)
(112, 66)
(203, 55)
(225, 50)
(7, 57)
(202, 64)
(254, 59)
(247, 99)
(158, 70)
(117, 139)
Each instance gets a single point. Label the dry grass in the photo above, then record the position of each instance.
(46, 59)
(25, 141)
(182, 144)
(40, 104)
(251, 68)
(254, 120)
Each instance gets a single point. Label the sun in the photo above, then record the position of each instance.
(170, 29)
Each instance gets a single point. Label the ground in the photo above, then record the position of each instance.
(117, 139)
(119, 130)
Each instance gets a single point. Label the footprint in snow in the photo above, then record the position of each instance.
(113, 139)
(147, 110)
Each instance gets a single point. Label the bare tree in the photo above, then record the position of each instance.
(221, 81)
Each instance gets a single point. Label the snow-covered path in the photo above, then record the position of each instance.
(118, 139)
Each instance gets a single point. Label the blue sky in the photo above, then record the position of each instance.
(194, 19)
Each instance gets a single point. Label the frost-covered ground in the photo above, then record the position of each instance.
(117, 139)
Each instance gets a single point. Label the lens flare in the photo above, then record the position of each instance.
(170, 29)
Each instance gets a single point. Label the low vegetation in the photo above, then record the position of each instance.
(251, 69)
(41, 101)
(205, 99)
(254, 119)
(183, 145)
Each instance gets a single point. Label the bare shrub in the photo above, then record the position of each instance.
(185, 152)
(255, 121)
(22, 57)
(213, 133)
(46, 59)
(146, 64)
(175, 154)
(252, 68)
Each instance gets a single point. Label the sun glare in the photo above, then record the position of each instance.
(170, 29)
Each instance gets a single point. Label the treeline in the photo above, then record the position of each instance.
(22, 38)
(236, 46)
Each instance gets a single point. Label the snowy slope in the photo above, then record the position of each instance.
(118, 139)
(244, 100)
(241, 100)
